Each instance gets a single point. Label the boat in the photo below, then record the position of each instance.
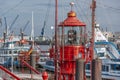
(49, 65)
(10, 52)
(10, 49)
(118, 47)
(106, 50)
(110, 69)
(42, 40)
(103, 47)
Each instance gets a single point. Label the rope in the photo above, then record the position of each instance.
(12, 8)
(107, 6)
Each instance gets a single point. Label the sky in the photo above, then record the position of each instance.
(107, 14)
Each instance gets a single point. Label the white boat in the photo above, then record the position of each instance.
(10, 51)
(103, 48)
(110, 69)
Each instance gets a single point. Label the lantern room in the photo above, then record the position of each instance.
(72, 30)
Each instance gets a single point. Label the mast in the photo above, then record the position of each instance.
(93, 26)
(6, 27)
(93, 39)
(56, 39)
(32, 32)
(32, 57)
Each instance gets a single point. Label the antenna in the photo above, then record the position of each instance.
(72, 3)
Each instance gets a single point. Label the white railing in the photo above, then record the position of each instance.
(114, 52)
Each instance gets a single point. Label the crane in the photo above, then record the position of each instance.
(42, 31)
(13, 22)
(23, 29)
(26, 25)
(46, 18)
(6, 25)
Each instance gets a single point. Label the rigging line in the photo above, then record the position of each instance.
(62, 11)
(85, 15)
(106, 18)
(48, 10)
(108, 21)
(99, 4)
(107, 6)
(12, 8)
(81, 11)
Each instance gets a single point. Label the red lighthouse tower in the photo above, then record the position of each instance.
(71, 45)
(72, 40)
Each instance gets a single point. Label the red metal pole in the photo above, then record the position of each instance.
(93, 6)
(56, 39)
(93, 26)
(7, 71)
(30, 67)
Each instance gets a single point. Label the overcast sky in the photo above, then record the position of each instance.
(107, 14)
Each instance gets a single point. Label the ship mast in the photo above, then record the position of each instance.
(93, 26)
(56, 39)
(93, 6)
(32, 32)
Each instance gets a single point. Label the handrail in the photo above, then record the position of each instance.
(111, 54)
(115, 52)
(10, 73)
(112, 51)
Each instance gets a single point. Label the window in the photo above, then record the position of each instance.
(115, 67)
(101, 54)
(10, 52)
(50, 63)
(105, 68)
(87, 66)
(15, 51)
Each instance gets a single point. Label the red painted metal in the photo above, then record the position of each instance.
(10, 73)
(71, 52)
(68, 57)
(72, 20)
(45, 75)
(29, 66)
(51, 50)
